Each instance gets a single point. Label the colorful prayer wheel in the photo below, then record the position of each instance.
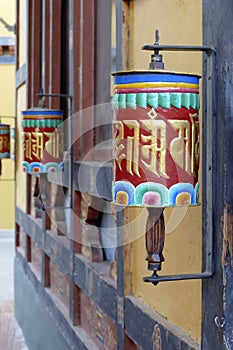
(42, 140)
(156, 134)
(4, 141)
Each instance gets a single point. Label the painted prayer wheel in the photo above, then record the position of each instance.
(4, 141)
(156, 134)
(42, 140)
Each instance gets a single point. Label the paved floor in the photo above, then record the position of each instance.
(11, 337)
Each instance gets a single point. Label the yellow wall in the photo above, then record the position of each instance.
(7, 12)
(179, 22)
(21, 177)
(7, 93)
(21, 101)
(22, 29)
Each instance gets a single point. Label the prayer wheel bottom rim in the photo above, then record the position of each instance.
(36, 167)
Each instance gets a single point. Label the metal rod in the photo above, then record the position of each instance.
(73, 308)
(155, 279)
(41, 94)
(9, 27)
(71, 165)
(120, 280)
(207, 49)
(43, 24)
(208, 164)
(118, 35)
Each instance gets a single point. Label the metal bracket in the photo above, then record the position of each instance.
(10, 28)
(209, 50)
(208, 132)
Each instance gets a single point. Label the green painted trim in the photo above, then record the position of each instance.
(155, 100)
(41, 123)
(5, 132)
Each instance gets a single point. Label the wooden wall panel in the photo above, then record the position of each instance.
(34, 51)
(53, 51)
(76, 55)
(47, 39)
(84, 73)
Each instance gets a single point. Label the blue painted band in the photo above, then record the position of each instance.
(155, 78)
(4, 126)
(41, 112)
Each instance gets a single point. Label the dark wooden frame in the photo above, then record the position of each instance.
(217, 318)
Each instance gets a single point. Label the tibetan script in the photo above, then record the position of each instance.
(4, 143)
(35, 143)
(145, 144)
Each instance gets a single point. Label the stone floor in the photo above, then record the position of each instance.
(11, 337)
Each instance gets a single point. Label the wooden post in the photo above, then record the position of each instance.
(217, 321)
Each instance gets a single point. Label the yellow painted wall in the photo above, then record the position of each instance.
(179, 22)
(23, 30)
(20, 176)
(7, 108)
(7, 12)
(21, 103)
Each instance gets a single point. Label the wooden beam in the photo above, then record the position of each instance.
(103, 292)
(138, 313)
(217, 291)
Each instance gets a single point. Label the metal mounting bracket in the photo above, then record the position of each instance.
(208, 132)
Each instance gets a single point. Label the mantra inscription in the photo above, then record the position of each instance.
(145, 144)
(42, 140)
(156, 156)
(36, 143)
(4, 143)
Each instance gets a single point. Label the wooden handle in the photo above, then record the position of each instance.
(155, 234)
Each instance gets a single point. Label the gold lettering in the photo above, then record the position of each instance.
(195, 141)
(155, 152)
(119, 155)
(53, 145)
(150, 147)
(4, 143)
(28, 145)
(180, 146)
(132, 157)
(34, 144)
(129, 144)
(37, 144)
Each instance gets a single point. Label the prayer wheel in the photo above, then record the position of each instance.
(156, 145)
(4, 141)
(156, 134)
(42, 140)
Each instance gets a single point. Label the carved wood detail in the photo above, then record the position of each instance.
(155, 233)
